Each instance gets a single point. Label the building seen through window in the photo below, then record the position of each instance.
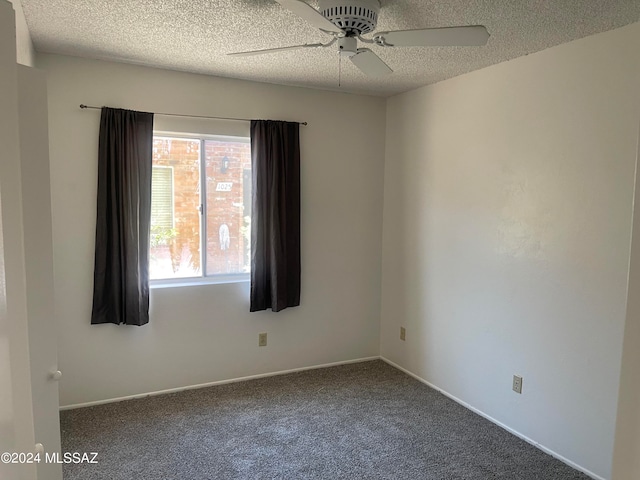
(200, 207)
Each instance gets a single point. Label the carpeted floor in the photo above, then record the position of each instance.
(359, 421)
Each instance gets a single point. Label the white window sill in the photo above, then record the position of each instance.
(195, 281)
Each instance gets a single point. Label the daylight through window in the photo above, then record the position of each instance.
(200, 207)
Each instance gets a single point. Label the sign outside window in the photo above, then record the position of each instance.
(224, 186)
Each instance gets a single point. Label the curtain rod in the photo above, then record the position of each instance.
(83, 106)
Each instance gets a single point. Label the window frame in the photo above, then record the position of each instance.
(203, 279)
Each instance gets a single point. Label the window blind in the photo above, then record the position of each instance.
(162, 197)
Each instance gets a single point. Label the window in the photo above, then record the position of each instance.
(200, 208)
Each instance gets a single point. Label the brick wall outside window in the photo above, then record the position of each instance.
(176, 253)
(228, 208)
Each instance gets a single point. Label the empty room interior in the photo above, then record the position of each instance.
(319, 239)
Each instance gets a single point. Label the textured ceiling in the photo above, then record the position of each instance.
(196, 35)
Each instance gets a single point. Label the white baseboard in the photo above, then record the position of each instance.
(345, 362)
(493, 420)
(211, 384)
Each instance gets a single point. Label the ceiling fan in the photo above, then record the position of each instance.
(347, 20)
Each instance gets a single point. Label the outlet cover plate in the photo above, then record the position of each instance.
(262, 339)
(517, 383)
(403, 334)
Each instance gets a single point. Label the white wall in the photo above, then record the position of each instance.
(25, 52)
(206, 333)
(507, 222)
(626, 459)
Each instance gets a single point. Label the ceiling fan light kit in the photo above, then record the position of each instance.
(348, 46)
(347, 20)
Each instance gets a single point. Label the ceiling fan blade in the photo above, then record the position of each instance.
(310, 14)
(370, 63)
(475, 35)
(273, 50)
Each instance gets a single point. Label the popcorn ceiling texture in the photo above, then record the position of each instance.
(196, 35)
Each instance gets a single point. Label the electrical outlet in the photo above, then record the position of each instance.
(517, 383)
(262, 339)
(403, 333)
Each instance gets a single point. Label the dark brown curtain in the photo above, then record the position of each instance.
(275, 215)
(121, 273)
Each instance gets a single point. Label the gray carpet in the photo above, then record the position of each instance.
(359, 421)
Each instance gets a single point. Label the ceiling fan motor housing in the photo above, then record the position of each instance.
(355, 17)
